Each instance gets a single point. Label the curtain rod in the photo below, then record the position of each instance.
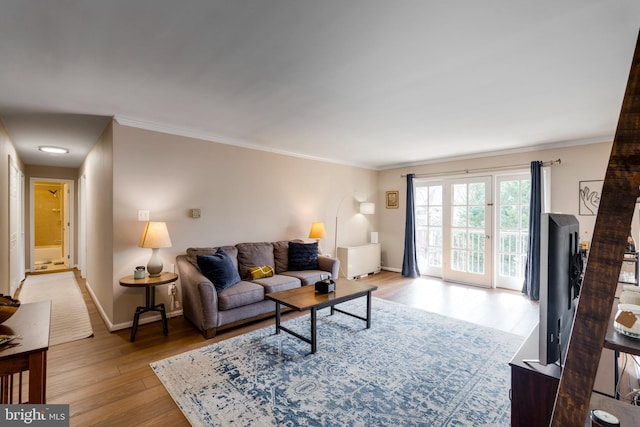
(465, 171)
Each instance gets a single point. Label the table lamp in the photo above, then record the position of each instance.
(155, 236)
(317, 232)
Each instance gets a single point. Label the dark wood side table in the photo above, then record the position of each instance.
(31, 322)
(149, 283)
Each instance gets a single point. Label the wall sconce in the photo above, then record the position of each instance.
(367, 208)
(317, 232)
(155, 236)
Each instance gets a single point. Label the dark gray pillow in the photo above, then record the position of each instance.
(219, 268)
(303, 256)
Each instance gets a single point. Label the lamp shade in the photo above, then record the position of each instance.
(317, 231)
(367, 208)
(155, 235)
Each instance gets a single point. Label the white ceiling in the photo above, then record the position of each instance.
(374, 83)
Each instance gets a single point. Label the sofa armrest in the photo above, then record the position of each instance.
(199, 296)
(332, 265)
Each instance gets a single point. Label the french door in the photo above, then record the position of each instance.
(455, 221)
(453, 229)
(468, 246)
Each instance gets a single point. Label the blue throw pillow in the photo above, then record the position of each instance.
(303, 256)
(219, 269)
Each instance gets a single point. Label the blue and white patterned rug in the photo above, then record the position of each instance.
(412, 368)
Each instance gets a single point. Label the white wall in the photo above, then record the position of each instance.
(98, 169)
(579, 163)
(244, 195)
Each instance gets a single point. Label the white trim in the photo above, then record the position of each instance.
(545, 173)
(15, 220)
(101, 311)
(82, 226)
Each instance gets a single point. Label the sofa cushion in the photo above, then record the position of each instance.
(303, 256)
(281, 254)
(308, 277)
(241, 294)
(218, 268)
(208, 251)
(279, 282)
(253, 255)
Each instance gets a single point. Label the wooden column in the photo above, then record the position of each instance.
(617, 204)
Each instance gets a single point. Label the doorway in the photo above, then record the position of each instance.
(455, 222)
(51, 213)
(453, 229)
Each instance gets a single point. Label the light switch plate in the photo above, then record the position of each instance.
(143, 215)
(195, 213)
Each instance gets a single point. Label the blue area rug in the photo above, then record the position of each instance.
(412, 368)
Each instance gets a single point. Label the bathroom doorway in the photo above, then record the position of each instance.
(51, 210)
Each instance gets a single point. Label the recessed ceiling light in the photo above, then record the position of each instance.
(53, 150)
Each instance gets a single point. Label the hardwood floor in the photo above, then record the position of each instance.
(107, 380)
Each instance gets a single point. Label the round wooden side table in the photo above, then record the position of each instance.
(149, 283)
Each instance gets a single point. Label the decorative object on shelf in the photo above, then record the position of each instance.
(600, 418)
(627, 319)
(155, 236)
(317, 232)
(631, 244)
(630, 295)
(8, 307)
(393, 201)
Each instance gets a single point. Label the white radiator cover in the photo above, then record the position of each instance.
(356, 261)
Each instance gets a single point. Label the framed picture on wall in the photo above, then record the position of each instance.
(392, 200)
(589, 197)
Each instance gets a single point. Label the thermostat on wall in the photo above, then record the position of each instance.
(195, 213)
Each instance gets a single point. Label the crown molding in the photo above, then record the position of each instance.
(527, 149)
(221, 139)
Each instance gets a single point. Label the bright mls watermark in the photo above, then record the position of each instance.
(34, 415)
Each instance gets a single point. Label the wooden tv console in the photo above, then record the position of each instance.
(534, 386)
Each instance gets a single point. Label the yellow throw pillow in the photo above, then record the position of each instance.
(261, 272)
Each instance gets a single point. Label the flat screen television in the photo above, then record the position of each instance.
(560, 281)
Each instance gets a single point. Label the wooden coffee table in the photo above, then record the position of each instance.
(306, 298)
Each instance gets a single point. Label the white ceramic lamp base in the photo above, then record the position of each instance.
(154, 266)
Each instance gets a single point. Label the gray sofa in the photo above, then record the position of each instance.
(210, 309)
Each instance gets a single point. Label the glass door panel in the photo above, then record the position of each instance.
(513, 229)
(469, 255)
(429, 227)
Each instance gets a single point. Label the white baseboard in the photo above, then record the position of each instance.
(105, 319)
(143, 321)
(395, 270)
(124, 325)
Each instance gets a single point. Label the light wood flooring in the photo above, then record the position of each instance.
(107, 380)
